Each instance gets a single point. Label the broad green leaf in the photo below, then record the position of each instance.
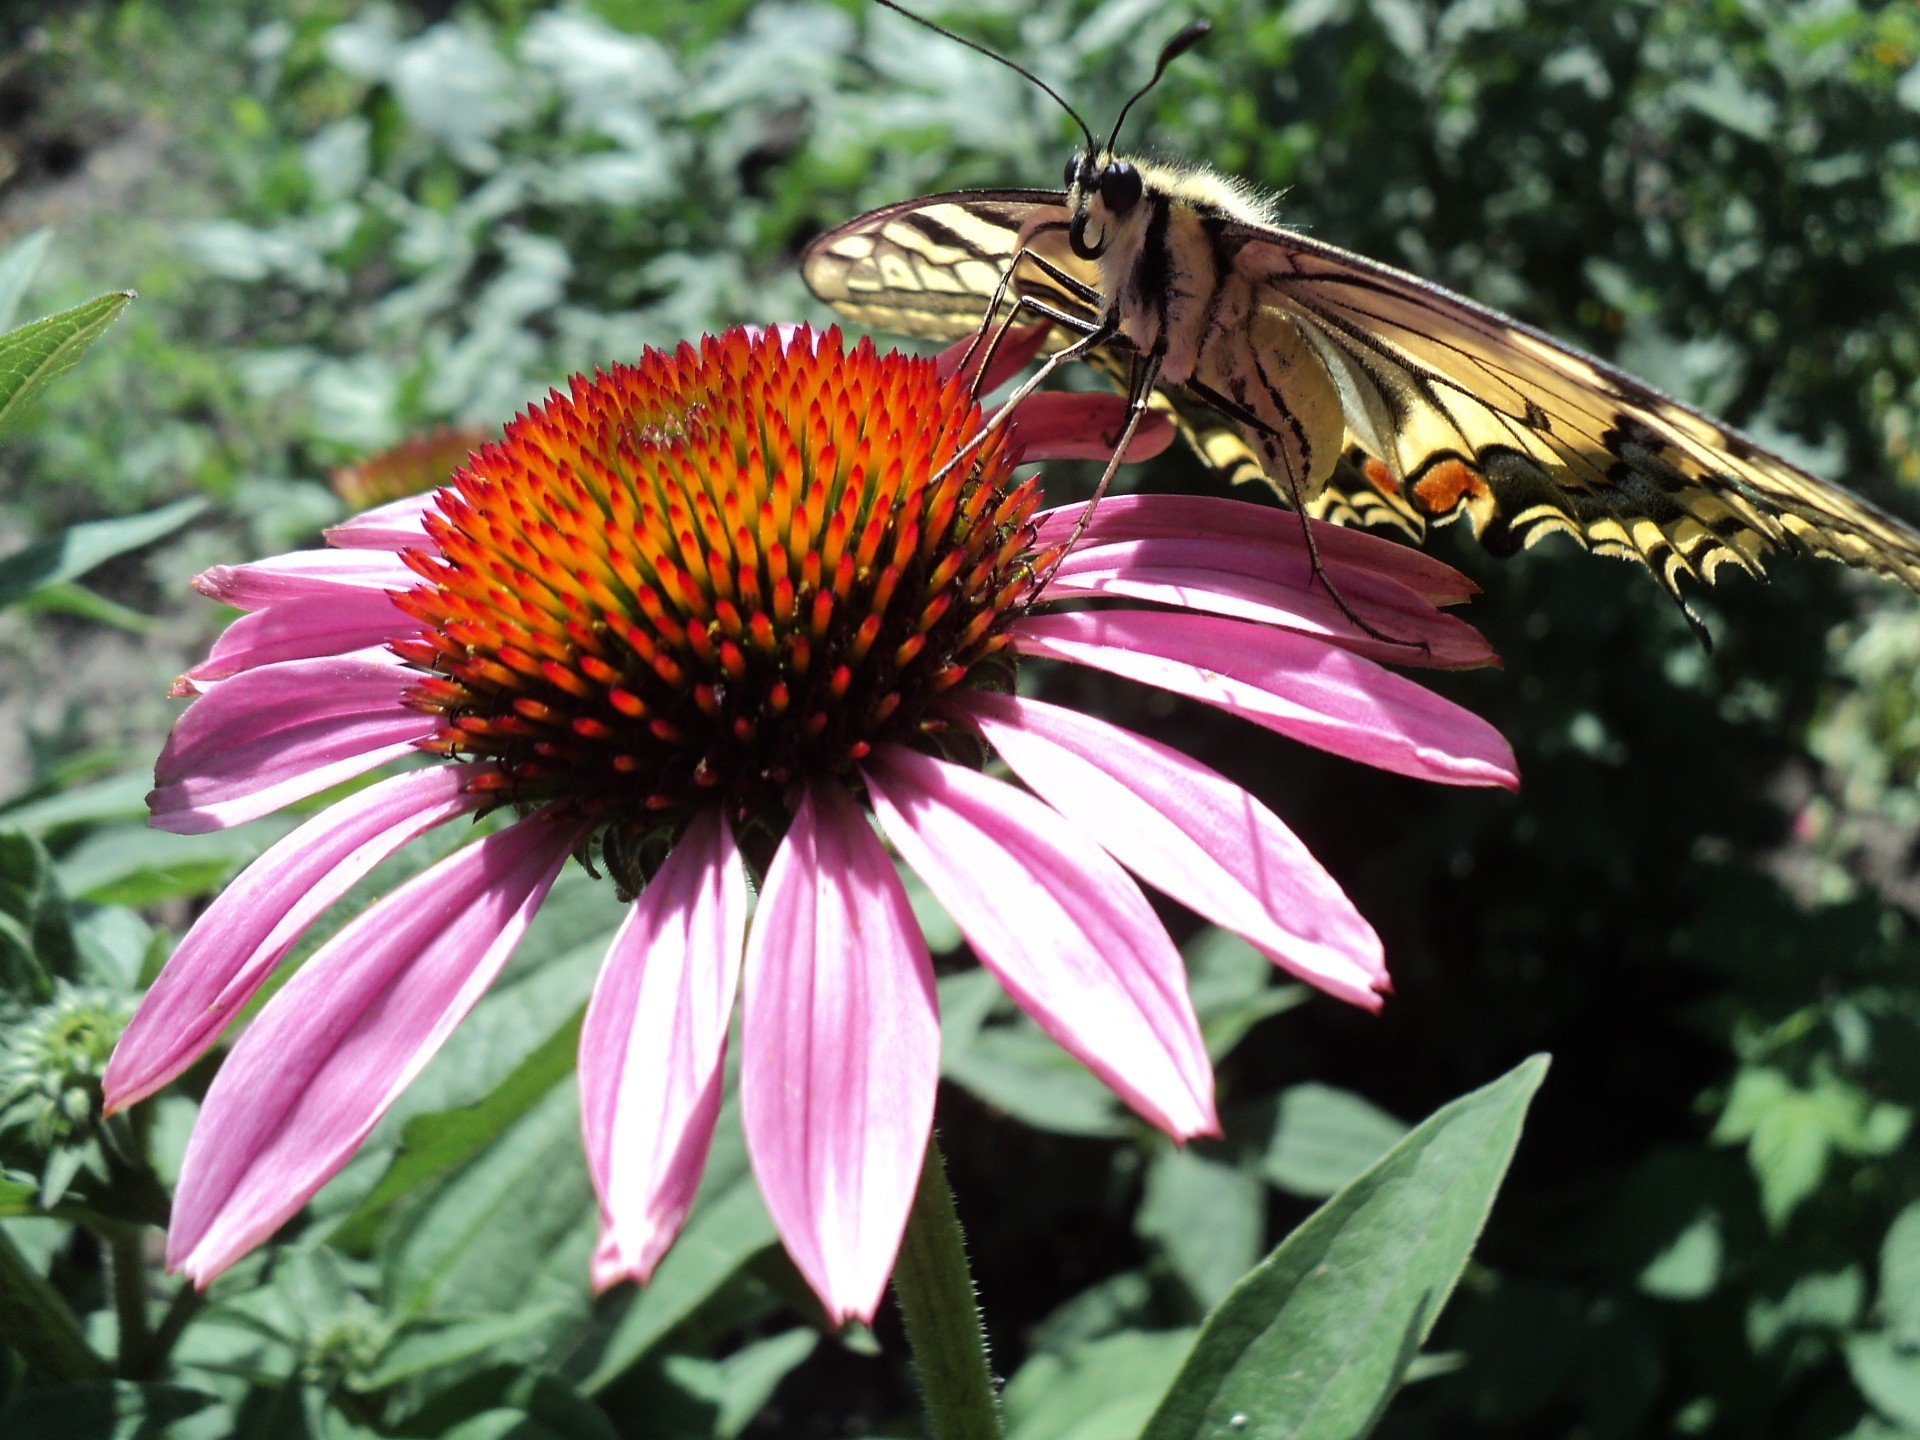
(81, 548)
(1689, 1267)
(1324, 1136)
(1900, 1275)
(1233, 988)
(35, 355)
(1827, 1300)
(1791, 1131)
(512, 1229)
(1314, 1342)
(738, 1386)
(17, 269)
(119, 1410)
(131, 865)
(434, 1144)
(117, 797)
(36, 932)
(81, 603)
(1207, 1215)
(539, 1407)
(1103, 1390)
(432, 1348)
(1888, 1374)
(18, 1194)
(987, 1047)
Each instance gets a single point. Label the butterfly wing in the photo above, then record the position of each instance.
(929, 268)
(1460, 410)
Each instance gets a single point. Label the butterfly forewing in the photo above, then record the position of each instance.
(1451, 409)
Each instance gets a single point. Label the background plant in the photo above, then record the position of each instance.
(348, 224)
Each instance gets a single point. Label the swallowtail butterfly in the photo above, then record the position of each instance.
(1362, 393)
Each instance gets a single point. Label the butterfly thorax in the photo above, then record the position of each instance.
(1166, 243)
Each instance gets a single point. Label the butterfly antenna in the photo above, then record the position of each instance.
(991, 55)
(1171, 51)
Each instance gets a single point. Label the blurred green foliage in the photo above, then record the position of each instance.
(348, 224)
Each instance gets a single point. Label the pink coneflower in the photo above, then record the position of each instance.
(709, 618)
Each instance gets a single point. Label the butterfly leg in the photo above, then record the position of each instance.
(1297, 494)
(1139, 391)
(1076, 289)
(1091, 340)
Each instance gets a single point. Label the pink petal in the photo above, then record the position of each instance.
(237, 940)
(1064, 425)
(1256, 580)
(1294, 684)
(1140, 517)
(1016, 349)
(840, 1052)
(329, 1054)
(1068, 934)
(1192, 833)
(652, 1046)
(392, 526)
(301, 575)
(280, 733)
(335, 624)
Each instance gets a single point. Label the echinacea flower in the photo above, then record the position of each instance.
(710, 618)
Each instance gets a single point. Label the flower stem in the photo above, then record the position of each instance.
(127, 1270)
(935, 1291)
(36, 1322)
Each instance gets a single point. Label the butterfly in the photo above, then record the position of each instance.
(1361, 393)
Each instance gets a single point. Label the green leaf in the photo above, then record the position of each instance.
(512, 1229)
(36, 930)
(81, 548)
(1207, 1215)
(738, 1386)
(1826, 1300)
(35, 355)
(1314, 1342)
(1792, 1132)
(19, 1194)
(17, 269)
(1102, 1390)
(1689, 1267)
(119, 1410)
(1900, 1275)
(1888, 1374)
(435, 1144)
(1324, 1136)
(131, 865)
(431, 1348)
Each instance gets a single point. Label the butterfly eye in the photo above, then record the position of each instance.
(1073, 171)
(1120, 187)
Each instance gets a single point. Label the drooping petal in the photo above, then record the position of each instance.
(302, 574)
(305, 629)
(1294, 684)
(1141, 517)
(1067, 932)
(840, 1052)
(322, 1062)
(1068, 425)
(281, 733)
(1017, 347)
(392, 526)
(652, 1046)
(237, 941)
(1251, 580)
(1192, 833)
